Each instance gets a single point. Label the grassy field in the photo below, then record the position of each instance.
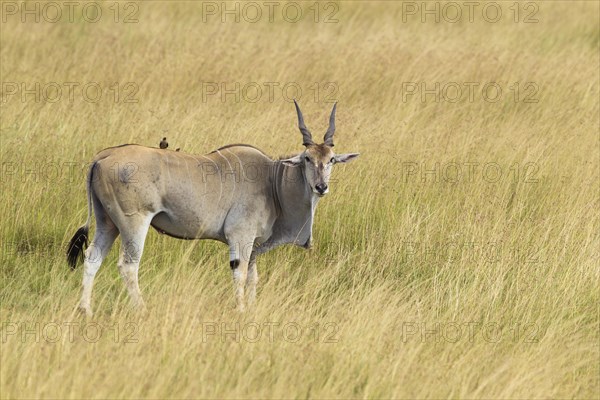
(457, 257)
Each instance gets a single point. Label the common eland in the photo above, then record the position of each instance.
(236, 194)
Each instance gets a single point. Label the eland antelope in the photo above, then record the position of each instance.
(236, 195)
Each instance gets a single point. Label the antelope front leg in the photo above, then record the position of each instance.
(240, 273)
(239, 268)
(252, 280)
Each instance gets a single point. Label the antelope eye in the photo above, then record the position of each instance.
(307, 158)
(332, 160)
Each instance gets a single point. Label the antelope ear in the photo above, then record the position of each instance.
(342, 158)
(293, 162)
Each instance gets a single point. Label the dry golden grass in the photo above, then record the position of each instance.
(419, 286)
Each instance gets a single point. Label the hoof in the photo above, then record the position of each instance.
(85, 311)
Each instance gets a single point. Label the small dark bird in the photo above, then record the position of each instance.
(163, 143)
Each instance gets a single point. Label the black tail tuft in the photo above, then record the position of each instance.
(75, 249)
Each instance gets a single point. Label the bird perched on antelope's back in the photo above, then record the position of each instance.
(163, 143)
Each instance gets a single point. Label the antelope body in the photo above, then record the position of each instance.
(236, 194)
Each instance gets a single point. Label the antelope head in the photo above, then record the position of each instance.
(317, 160)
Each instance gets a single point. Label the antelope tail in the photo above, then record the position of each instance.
(80, 240)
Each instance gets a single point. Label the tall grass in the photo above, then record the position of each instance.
(422, 282)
